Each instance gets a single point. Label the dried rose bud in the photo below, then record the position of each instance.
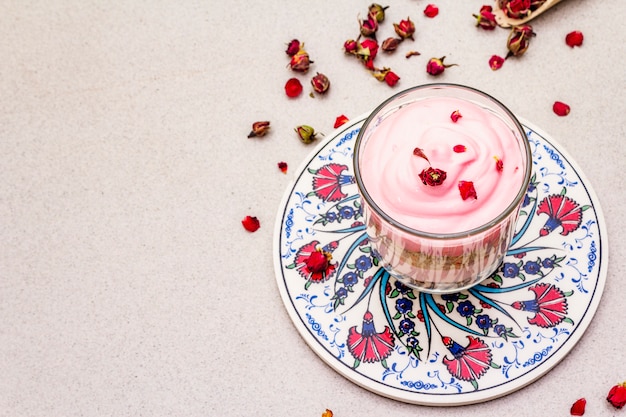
(283, 167)
(578, 408)
(390, 44)
(306, 133)
(293, 87)
(560, 108)
(350, 46)
(431, 11)
(455, 116)
(435, 66)
(368, 27)
(367, 49)
(318, 261)
(259, 129)
(617, 395)
(467, 190)
(519, 39)
(377, 12)
(496, 62)
(340, 120)
(516, 9)
(300, 61)
(405, 29)
(320, 83)
(251, 223)
(391, 78)
(293, 47)
(485, 19)
(574, 38)
(433, 176)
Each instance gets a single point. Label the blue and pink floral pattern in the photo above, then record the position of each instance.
(458, 348)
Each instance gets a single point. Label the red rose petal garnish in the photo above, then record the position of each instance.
(293, 47)
(574, 38)
(496, 62)
(293, 87)
(459, 148)
(431, 11)
(340, 120)
(499, 164)
(251, 224)
(455, 116)
(419, 152)
(578, 408)
(617, 395)
(433, 176)
(467, 190)
(283, 167)
(391, 78)
(560, 108)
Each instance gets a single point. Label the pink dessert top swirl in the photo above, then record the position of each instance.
(478, 147)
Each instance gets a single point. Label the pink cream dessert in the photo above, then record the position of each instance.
(442, 176)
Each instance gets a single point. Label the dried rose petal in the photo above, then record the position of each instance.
(435, 66)
(499, 164)
(574, 38)
(390, 44)
(391, 78)
(293, 87)
(519, 40)
(300, 61)
(367, 50)
(496, 62)
(259, 129)
(320, 83)
(455, 116)
(459, 148)
(306, 133)
(420, 152)
(340, 120)
(617, 395)
(560, 108)
(251, 224)
(578, 408)
(485, 19)
(467, 190)
(283, 167)
(293, 47)
(405, 29)
(433, 176)
(412, 53)
(431, 11)
(327, 413)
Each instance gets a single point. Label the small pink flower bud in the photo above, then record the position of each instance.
(368, 27)
(300, 61)
(350, 46)
(293, 47)
(320, 83)
(519, 40)
(391, 44)
(435, 66)
(405, 29)
(377, 12)
(486, 19)
(305, 133)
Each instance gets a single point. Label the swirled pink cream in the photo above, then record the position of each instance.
(390, 170)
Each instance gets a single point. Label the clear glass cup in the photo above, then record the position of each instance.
(440, 262)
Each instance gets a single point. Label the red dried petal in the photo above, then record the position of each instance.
(467, 190)
(340, 120)
(617, 395)
(419, 152)
(574, 38)
(455, 116)
(293, 87)
(293, 47)
(560, 108)
(459, 148)
(496, 62)
(578, 408)
(283, 167)
(391, 78)
(431, 11)
(251, 223)
(499, 164)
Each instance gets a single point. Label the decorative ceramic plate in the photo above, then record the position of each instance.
(454, 349)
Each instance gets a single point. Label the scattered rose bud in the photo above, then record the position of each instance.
(420, 153)
(350, 46)
(367, 49)
(519, 39)
(283, 167)
(412, 53)
(306, 133)
(391, 78)
(459, 148)
(300, 61)
(368, 27)
(405, 29)
(251, 224)
(516, 9)
(318, 261)
(340, 120)
(432, 176)
(455, 116)
(617, 395)
(499, 164)
(431, 11)
(578, 408)
(390, 44)
(293, 47)
(320, 83)
(259, 129)
(496, 62)
(560, 108)
(574, 38)
(293, 87)
(435, 66)
(485, 19)
(467, 190)
(377, 12)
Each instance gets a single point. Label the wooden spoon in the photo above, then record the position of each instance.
(507, 22)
